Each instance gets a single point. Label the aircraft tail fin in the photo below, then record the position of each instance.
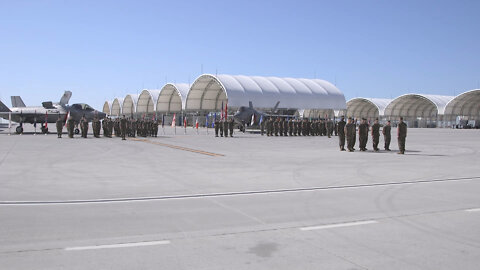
(65, 98)
(3, 107)
(276, 106)
(17, 102)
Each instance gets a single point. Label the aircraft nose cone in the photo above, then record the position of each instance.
(102, 115)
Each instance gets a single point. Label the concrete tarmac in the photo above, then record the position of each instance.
(193, 201)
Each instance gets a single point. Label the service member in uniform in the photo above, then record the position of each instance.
(350, 131)
(83, 127)
(387, 136)
(329, 127)
(402, 135)
(59, 124)
(375, 135)
(123, 127)
(231, 123)
(341, 133)
(216, 126)
(363, 135)
(225, 127)
(276, 126)
(220, 126)
(70, 126)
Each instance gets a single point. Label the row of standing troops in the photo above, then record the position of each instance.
(294, 127)
(121, 127)
(348, 131)
(224, 126)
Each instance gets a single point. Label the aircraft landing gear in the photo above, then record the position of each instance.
(77, 131)
(19, 130)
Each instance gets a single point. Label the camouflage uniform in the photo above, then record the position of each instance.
(216, 123)
(363, 135)
(387, 136)
(123, 127)
(402, 135)
(59, 124)
(350, 131)
(341, 134)
(70, 127)
(375, 135)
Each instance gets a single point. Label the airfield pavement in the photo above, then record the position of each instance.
(248, 202)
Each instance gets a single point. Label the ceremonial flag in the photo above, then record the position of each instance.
(221, 113)
(261, 119)
(214, 119)
(226, 112)
(253, 120)
(173, 120)
(66, 118)
(206, 121)
(196, 123)
(46, 119)
(35, 120)
(163, 120)
(185, 122)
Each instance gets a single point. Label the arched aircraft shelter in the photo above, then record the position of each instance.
(369, 108)
(208, 92)
(418, 110)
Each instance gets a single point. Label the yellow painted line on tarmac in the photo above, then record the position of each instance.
(179, 147)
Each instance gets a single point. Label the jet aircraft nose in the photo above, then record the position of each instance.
(101, 115)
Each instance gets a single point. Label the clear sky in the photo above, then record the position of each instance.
(103, 49)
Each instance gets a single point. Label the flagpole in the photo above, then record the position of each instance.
(206, 123)
(46, 122)
(163, 123)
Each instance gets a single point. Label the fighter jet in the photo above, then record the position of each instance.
(244, 115)
(48, 112)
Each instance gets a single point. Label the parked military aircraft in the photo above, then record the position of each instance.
(244, 114)
(48, 112)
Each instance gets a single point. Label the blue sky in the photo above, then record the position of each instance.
(104, 49)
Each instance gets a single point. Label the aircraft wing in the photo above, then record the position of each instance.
(4, 108)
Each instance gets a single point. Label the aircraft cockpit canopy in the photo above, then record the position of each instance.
(83, 106)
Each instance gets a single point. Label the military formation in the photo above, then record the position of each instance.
(120, 127)
(297, 127)
(224, 127)
(347, 133)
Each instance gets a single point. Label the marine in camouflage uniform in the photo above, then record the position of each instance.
(216, 126)
(363, 135)
(329, 128)
(341, 133)
(387, 135)
(225, 127)
(376, 135)
(59, 125)
(276, 124)
(84, 126)
(70, 127)
(350, 131)
(155, 128)
(401, 135)
(123, 127)
(231, 123)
